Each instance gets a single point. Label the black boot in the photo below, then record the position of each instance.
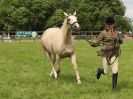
(114, 80)
(99, 72)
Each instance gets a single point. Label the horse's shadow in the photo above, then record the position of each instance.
(67, 78)
(72, 78)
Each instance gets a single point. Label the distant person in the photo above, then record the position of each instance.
(110, 51)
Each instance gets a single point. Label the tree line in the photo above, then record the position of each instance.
(39, 15)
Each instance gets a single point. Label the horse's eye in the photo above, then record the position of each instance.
(68, 19)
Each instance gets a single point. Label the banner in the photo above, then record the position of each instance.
(26, 34)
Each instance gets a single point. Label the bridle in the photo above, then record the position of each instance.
(70, 23)
(73, 24)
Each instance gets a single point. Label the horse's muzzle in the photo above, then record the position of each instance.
(76, 26)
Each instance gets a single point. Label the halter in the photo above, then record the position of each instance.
(73, 22)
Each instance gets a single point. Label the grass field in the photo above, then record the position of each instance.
(24, 74)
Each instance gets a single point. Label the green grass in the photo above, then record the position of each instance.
(24, 74)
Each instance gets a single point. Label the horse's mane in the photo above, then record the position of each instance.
(65, 28)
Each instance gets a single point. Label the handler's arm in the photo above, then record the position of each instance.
(98, 41)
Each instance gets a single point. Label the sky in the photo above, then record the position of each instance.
(129, 8)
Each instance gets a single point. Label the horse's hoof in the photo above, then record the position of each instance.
(51, 75)
(79, 82)
(58, 73)
(57, 79)
(56, 76)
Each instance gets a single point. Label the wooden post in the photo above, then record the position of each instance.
(20, 39)
(85, 36)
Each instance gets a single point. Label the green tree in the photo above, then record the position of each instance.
(26, 14)
(56, 19)
(41, 14)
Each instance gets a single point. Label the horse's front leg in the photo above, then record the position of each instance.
(75, 67)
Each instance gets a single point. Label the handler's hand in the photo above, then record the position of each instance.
(91, 43)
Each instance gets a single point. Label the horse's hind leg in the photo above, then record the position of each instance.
(57, 63)
(52, 62)
(51, 59)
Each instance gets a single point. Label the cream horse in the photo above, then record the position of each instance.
(58, 43)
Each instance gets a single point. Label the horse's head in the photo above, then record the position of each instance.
(72, 20)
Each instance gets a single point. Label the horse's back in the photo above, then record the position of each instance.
(50, 33)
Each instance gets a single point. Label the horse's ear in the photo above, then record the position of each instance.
(74, 13)
(70, 14)
(65, 14)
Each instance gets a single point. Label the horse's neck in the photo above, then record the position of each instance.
(66, 31)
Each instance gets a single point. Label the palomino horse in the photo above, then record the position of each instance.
(58, 43)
